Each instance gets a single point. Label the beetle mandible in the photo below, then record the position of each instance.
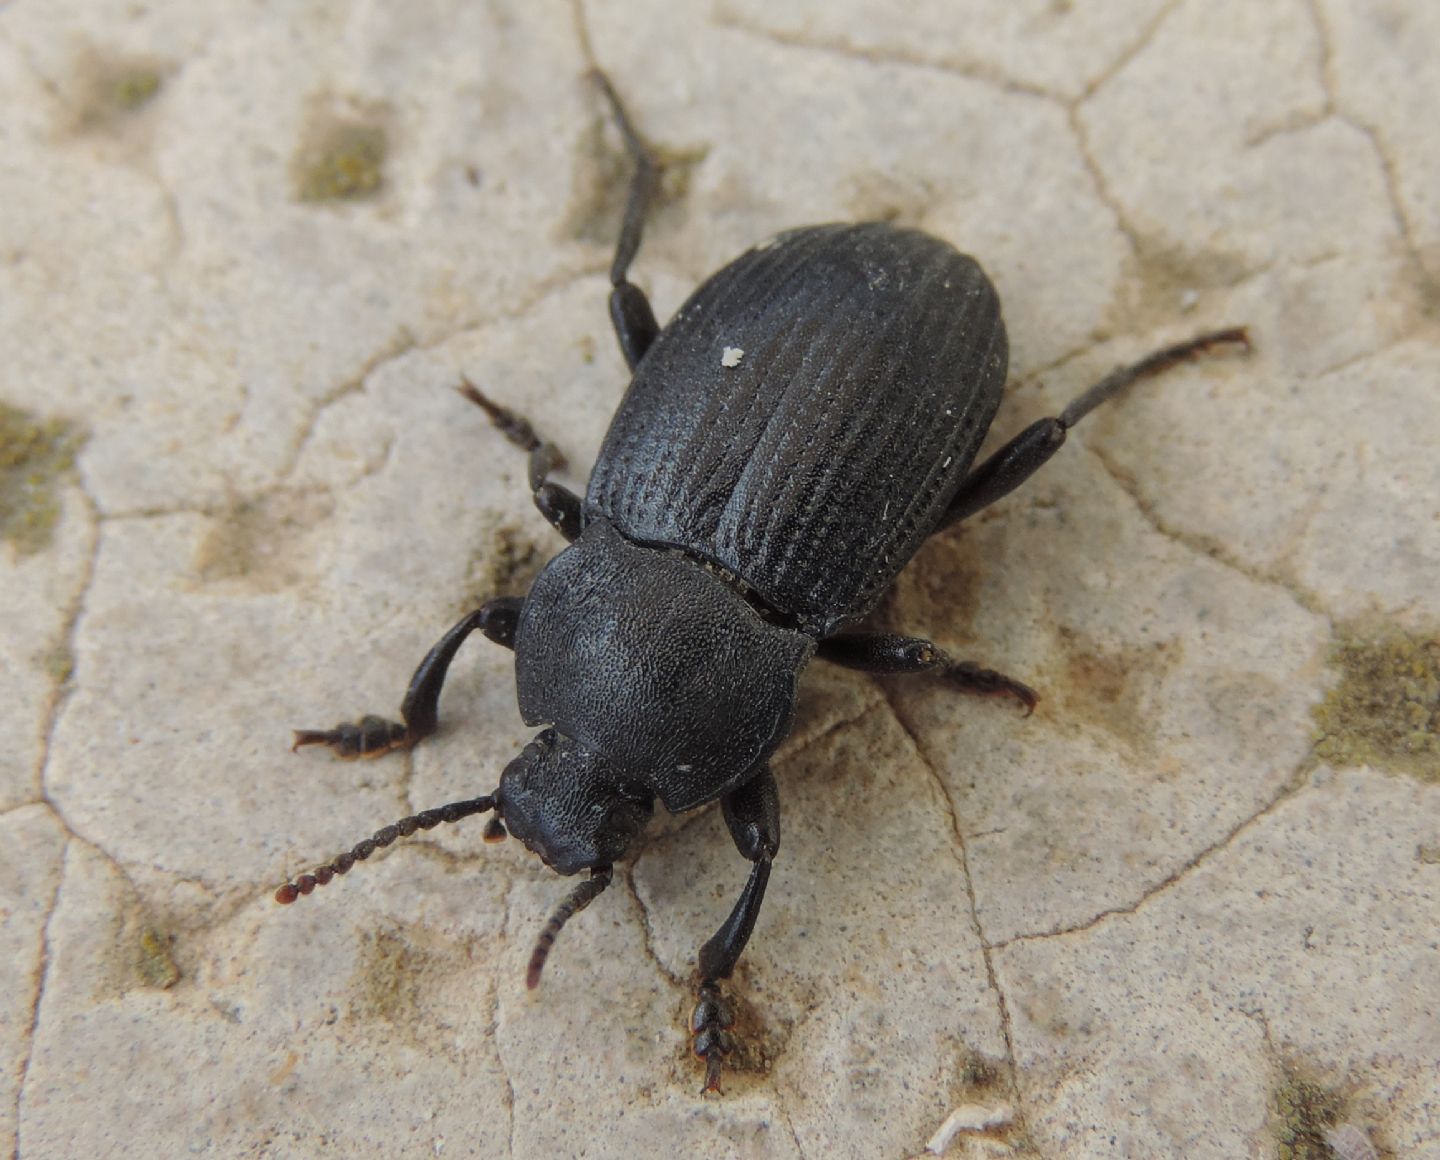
(788, 441)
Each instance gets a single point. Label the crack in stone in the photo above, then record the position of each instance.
(1103, 191)
(42, 970)
(1388, 168)
(1203, 545)
(399, 345)
(963, 857)
(492, 1031)
(1326, 63)
(1146, 38)
(1292, 787)
(789, 1122)
(70, 631)
(972, 70)
(647, 928)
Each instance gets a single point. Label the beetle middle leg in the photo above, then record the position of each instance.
(630, 312)
(559, 505)
(372, 736)
(752, 813)
(1024, 455)
(884, 652)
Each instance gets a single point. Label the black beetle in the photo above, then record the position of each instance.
(787, 443)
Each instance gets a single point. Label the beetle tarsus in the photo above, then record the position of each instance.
(369, 737)
(888, 652)
(971, 678)
(710, 1024)
(1030, 450)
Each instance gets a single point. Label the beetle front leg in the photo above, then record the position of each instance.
(373, 736)
(1024, 455)
(883, 652)
(559, 505)
(630, 312)
(752, 813)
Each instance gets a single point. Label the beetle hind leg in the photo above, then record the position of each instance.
(752, 813)
(1025, 454)
(374, 736)
(883, 652)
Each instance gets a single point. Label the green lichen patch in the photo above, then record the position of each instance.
(1384, 711)
(340, 160)
(113, 89)
(1304, 1111)
(154, 961)
(35, 457)
(390, 971)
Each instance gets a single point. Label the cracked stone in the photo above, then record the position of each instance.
(1140, 909)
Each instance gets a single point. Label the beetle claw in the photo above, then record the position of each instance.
(369, 737)
(972, 678)
(710, 1024)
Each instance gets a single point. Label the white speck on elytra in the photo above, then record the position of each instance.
(731, 356)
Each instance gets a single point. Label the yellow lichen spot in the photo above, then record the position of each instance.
(154, 961)
(1385, 709)
(341, 161)
(35, 455)
(112, 88)
(132, 88)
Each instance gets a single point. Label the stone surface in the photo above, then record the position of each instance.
(245, 254)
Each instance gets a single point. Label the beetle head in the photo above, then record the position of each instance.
(569, 805)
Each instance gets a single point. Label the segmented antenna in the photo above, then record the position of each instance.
(424, 820)
(581, 897)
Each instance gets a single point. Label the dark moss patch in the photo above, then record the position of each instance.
(980, 1074)
(35, 457)
(1384, 710)
(154, 962)
(340, 159)
(112, 89)
(939, 591)
(506, 564)
(1163, 279)
(1111, 687)
(602, 181)
(261, 540)
(1304, 1111)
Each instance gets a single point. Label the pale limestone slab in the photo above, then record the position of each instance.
(1129, 921)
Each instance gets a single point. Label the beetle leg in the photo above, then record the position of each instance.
(373, 736)
(559, 505)
(1024, 455)
(630, 312)
(883, 652)
(752, 813)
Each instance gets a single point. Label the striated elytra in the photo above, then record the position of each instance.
(788, 441)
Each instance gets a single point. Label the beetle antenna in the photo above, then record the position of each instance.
(424, 820)
(579, 898)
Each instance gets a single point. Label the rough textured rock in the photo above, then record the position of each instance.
(1188, 909)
